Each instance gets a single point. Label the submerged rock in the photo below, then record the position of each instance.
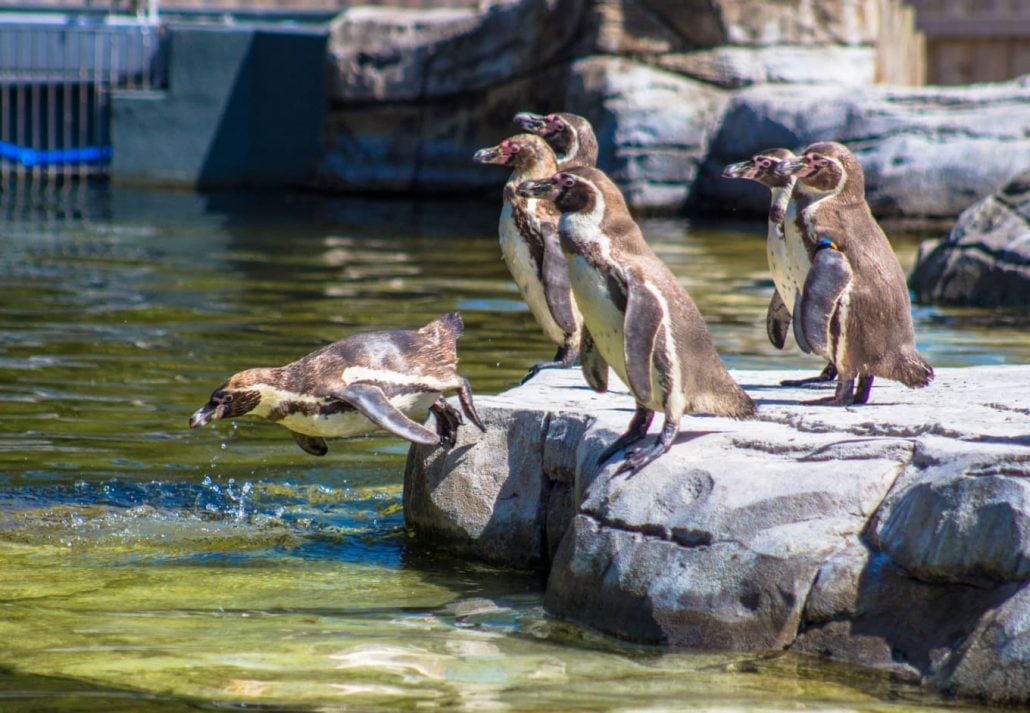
(884, 534)
(985, 260)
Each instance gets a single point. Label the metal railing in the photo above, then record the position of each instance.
(57, 73)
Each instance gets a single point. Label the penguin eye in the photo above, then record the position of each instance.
(568, 181)
(514, 148)
(226, 398)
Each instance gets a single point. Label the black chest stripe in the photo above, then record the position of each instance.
(309, 408)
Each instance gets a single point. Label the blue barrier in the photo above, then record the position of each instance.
(55, 157)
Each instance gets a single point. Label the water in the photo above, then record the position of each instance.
(147, 566)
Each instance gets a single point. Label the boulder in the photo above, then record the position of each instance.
(928, 152)
(388, 54)
(653, 126)
(426, 147)
(651, 26)
(985, 260)
(731, 67)
(992, 662)
(675, 90)
(880, 534)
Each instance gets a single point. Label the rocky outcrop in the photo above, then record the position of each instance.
(676, 91)
(927, 151)
(654, 126)
(387, 54)
(985, 260)
(895, 534)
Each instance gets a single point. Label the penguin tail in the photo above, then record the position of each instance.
(914, 371)
(743, 405)
(451, 322)
(731, 401)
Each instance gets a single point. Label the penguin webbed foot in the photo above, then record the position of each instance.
(565, 358)
(448, 419)
(640, 456)
(468, 405)
(537, 368)
(638, 426)
(845, 395)
(829, 373)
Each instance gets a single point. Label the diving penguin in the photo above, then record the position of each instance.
(637, 317)
(528, 231)
(854, 307)
(366, 382)
(789, 260)
(570, 135)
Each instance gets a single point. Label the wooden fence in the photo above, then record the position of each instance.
(974, 40)
(900, 46)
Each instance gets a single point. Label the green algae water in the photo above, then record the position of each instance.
(145, 566)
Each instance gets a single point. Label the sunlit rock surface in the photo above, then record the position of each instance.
(886, 534)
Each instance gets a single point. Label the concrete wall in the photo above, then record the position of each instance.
(244, 106)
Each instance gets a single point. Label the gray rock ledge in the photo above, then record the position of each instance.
(895, 534)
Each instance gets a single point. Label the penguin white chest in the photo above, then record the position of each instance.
(600, 314)
(796, 262)
(776, 252)
(524, 270)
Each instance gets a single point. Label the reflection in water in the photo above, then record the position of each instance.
(145, 564)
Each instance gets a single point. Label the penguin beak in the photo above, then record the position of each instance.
(211, 411)
(546, 188)
(792, 167)
(533, 123)
(744, 169)
(494, 154)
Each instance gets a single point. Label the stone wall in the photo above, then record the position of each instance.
(674, 89)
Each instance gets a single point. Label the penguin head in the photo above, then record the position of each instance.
(553, 127)
(570, 192)
(827, 168)
(570, 135)
(762, 167)
(236, 397)
(519, 151)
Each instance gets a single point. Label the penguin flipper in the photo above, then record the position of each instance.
(554, 273)
(828, 279)
(372, 402)
(315, 445)
(777, 320)
(644, 314)
(595, 368)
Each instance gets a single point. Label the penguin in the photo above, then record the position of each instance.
(637, 317)
(571, 136)
(854, 307)
(529, 245)
(789, 260)
(358, 385)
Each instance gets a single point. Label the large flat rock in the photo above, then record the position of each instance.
(884, 534)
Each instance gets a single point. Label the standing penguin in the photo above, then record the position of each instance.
(789, 260)
(638, 319)
(366, 382)
(528, 232)
(854, 308)
(570, 135)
